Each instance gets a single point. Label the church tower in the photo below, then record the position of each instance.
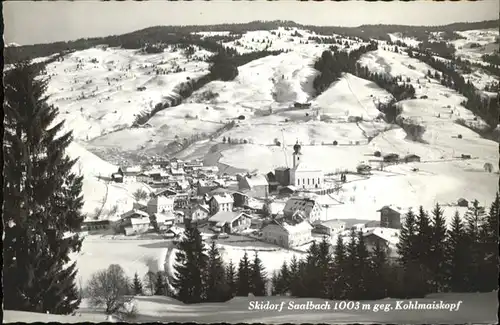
(296, 154)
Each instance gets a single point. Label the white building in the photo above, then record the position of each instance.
(160, 204)
(303, 176)
(308, 207)
(329, 227)
(221, 203)
(137, 226)
(287, 235)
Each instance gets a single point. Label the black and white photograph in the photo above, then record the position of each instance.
(332, 162)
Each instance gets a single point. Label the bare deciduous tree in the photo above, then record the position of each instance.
(109, 288)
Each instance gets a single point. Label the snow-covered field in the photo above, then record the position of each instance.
(475, 308)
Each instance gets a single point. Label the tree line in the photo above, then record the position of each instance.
(431, 258)
(202, 276)
(332, 64)
(483, 106)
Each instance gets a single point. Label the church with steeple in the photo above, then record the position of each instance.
(303, 176)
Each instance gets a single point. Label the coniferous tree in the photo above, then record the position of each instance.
(42, 200)
(475, 217)
(421, 264)
(363, 260)
(407, 239)
(489, 243)
(191, 262)
(352, 267)
(294, 276)
(137, 286)
(216, 286)
(437, 258)
(324, 264)
(284, 279)
(457, 256)
(244, 277)
(310, 276)
(339, 272)
(231, 279)
(161, 287)
(150, 281)
(258, 277)
(378, 286)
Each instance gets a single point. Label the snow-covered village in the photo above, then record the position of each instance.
(193, 173)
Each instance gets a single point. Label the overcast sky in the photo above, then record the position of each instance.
(28, 22)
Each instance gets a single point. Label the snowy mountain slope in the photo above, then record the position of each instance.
(98, 90)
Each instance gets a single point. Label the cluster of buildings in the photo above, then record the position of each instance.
(191, 192)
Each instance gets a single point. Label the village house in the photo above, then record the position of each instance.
(273, 183)
(134, 213)
(164, 220)
(287, 235)
(385, 237)
(391, 158)
(329, 227)
(166, 192)
(177, 171)
(199, 212)
(95, 225)
(117, 177)
(222, 202)
(309, 207)
(411, 158)
(203, 187)
(129, 174)
(132, 226)
(230, 222)
(391, 216)
(144, 178)
(303, 176)
(255, 185)
(160, 204)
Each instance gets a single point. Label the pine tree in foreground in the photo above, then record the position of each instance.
(489, 246)
(190, 267)
(437, 256)
(42, 200)
(258, 277)
(243, 286)
(216, 286)
(231, 279)
(137, 286)
(457, 256)
(338, 271)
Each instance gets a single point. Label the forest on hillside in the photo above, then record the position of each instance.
(183, 34)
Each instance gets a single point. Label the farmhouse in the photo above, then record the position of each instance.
(203, 187)
(134, 213)
(164, 220)
(166, 192)
(303, 176)
(117, 177)
(221, 203)
(160, 204)
(256, 185)
(199, 212)
(144, 178)
(310, 208)
(230, 222)
(411, 158)
(287, 235)
(391, 216)
(329, 227)
(136, 225)
(391, 158)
